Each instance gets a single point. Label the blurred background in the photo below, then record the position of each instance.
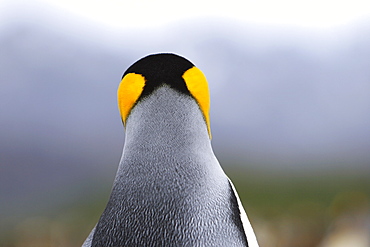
(290, 112)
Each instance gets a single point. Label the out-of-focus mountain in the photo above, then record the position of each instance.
(274, 104)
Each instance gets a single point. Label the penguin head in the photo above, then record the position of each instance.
(146, 75)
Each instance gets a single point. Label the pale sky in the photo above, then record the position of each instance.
(331, 93)
(316, 14)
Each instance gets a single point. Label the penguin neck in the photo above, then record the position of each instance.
(166, 122)
(167, 140)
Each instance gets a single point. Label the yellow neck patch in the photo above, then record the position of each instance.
(132, 85)
(129, 90)
(197, 85)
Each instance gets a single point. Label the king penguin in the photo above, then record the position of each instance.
(170, 189)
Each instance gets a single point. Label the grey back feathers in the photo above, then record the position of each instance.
(170, 189)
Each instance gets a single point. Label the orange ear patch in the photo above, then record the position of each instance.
(197, 85)
(129, 90)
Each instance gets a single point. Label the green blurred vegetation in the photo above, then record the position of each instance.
(287, 209)
(290, 209)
